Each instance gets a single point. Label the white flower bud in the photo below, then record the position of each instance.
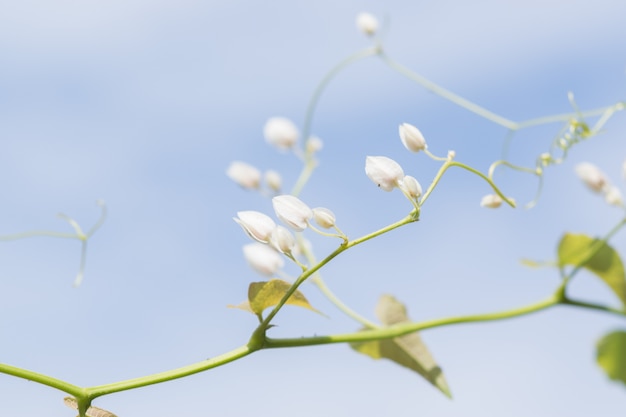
(292, 211)
(281, 132)
(412, 186)
(257, 225)
(412, 138)
(491, 201)
(314, 144)
(367, 23)
(282, 240)
(613, 196)
(324, 217)
(624, 169)
(262, 258)
(273, 180)
(592, 176)
(244, 174)
(384, 172)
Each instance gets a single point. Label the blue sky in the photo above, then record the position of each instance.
(144, 104)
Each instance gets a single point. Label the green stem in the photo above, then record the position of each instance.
(42, 379)
(309, 272)
(407, 328)
(319, 282)
(451, 163)
(310, 165)
(210, 363)
(568, 116)
(575, 303)
(449, 95)
(489, 115)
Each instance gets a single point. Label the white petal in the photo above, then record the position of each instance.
(412, 138)
(292, 211)
(592, 176)
(262, 258)
(367, 23)
(324, 217)
(244, 174)
(256, 224)
(491, 201)
(384, 172)
(280, 132)
(282, 240)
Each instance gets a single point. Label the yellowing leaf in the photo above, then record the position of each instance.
(408, 351)
(576, 250)
(611, 355)
(262, 295)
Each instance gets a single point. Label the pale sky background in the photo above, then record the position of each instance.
(145, 103)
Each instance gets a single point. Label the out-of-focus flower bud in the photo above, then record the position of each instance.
(273, 180)
(412, 138)
(592, 176)
(324, 217)
(282, 240)
(491, 201)
(292, 211)
(244, 174)
(367, 23)
(384, 172)
(412, 186)
(281, 132)
(262, 258)
(624, 169)
(314, 144)
(257, 225)
(613, 196)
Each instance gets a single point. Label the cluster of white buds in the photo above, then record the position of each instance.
(387, 174)
(271, 239)
(283, 134)
(597, 182)
(249, 177)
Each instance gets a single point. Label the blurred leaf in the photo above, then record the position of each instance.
(530, 263)
(611, 355)
(244, 305)
(536, 264)
(605, 263)
(408, 351)
(262, 295)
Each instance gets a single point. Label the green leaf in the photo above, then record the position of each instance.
(578, 251)
(262, 295)
(408, 351)
(611, 355)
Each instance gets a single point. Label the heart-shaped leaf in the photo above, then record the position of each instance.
(262, 295)
(408, 351)
(597, 257)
